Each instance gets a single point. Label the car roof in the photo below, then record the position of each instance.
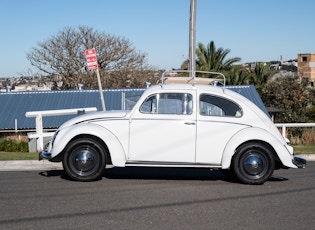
(217, 90)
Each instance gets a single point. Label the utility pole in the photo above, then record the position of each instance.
(192, 39)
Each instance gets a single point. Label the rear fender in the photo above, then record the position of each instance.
(284, 152)
(66, 134)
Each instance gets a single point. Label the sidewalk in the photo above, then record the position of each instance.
(25, 165)
(307, 157)
(34, 165)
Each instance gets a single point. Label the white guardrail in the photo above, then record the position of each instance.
(284, 126)
(39, 135)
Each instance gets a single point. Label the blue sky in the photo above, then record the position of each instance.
(253, 30)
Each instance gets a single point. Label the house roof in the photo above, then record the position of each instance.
(249, 91)
(14, 105)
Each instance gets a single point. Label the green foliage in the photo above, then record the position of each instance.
(290, 94)
(237, 75)
(259, 76)
(13, 146)
(310, 113)
(10, 156)
(211, 59)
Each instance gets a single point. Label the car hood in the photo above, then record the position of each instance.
(94, 116)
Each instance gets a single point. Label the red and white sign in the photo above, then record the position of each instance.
(91, 59)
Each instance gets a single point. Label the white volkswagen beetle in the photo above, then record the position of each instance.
(176, 125)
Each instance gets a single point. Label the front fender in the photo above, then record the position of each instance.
(66, 134)
(284, 152)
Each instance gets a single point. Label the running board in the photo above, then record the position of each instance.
(169, 164)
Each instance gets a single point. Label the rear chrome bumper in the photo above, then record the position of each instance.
(299, 162)
(44, 155)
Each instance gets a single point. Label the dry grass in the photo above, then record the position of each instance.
(17, 137)
(307, 136)
(14, 143)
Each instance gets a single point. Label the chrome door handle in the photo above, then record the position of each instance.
(190, 123)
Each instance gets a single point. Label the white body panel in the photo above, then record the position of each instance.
(169, 139)
(152, 145)
(210, 147)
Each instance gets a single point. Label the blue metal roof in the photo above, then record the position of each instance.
(14, 105)
(249, 91)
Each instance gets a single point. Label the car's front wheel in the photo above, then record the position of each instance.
(253, 163)
(84, 159)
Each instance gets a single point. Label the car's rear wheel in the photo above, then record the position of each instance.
(84, 159)
(253, 163)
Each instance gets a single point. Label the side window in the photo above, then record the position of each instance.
(168, 103)
(217, 106)
(150, 105)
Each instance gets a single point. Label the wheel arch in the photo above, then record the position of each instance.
(115, 152)
(281, 154)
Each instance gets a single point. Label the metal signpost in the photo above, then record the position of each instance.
(91, 60)
(192, 39)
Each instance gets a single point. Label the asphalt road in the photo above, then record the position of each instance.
(155, 198)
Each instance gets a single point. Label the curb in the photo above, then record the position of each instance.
(26, 165)
(307, 157)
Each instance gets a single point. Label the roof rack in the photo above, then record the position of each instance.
(167, 78)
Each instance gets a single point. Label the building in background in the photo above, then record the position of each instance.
(306, 66)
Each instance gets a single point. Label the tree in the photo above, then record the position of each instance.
(259, 76)
(237, 75)
(310, 113)
(64, 55)
(211, 59)
(134, 79)
(291, 95)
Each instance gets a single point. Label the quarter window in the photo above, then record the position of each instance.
(168, 103)
(217, 106)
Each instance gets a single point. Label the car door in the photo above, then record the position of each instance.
(163, 130)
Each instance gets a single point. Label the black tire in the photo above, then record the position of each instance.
(253, 163)
(84, 160)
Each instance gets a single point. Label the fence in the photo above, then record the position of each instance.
(284, 126)
(40, 135)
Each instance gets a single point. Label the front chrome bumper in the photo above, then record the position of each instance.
(299, 162)
(44, 155)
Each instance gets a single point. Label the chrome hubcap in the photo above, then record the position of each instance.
(253, 164)
(84, 160)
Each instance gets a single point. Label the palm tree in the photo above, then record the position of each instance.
(237, 75)
(211, 59)
(260, 75)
